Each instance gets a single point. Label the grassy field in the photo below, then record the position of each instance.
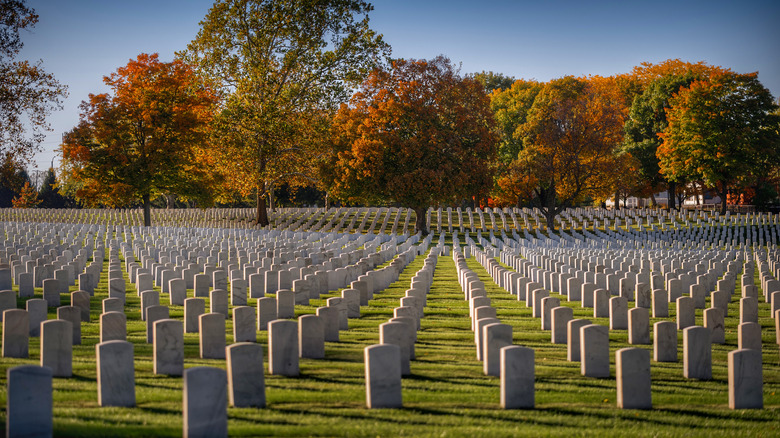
(446, 395)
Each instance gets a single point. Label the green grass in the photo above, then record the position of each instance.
(446, 395)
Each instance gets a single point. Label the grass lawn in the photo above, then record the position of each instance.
(447, 394)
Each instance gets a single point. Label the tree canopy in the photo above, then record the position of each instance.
(282, 67)
(417, 134)
(142, 140)
(28, 94)
(721, 130)
(570, 138)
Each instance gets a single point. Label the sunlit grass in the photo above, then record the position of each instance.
(446, 395)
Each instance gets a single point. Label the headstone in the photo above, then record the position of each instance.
(601, 299)
(57, 347)
(560, 320)
(212, 335)
(660, 304)
(238, 292)
(697, 353)
(218, 301)
(193, 308)
(16, 333)
(548, 303)
(113, 326)
(632, 369)
(285, 303)
(246, 381)
(573, 338)
(494, 337)
(748, 310)
(517, 377)
(713, 320)
(29, 402)
(396, 333)
(749, 336)
(283, 348)
(351, 298)
(80, 299)
(383, 376)
(745, 379)
(113, 305)
(168, 349)
(686, 313)
(665, 341)
(115, 373)
(311, 337)
(266, 312)
(72, 314)
(177, 290)
(638, 326)
(51, 292)
(205, 402)
(594, 350)
(154, 314)
(244, 326)
(330, 323)
(618, 313)
(37, 312)
(149, 298)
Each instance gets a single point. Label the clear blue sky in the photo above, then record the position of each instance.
(80, 41)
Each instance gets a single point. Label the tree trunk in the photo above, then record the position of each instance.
(617, 199)
(327, 201)
(170, 203)
(724, 193)
(271, 199)
(261, 217)
(147, 210)
(653, 201)
(671, 195)
(420, 221)
(550, 216)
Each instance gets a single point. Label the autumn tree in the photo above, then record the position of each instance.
(284, 67)
(417, 134)
(141, 140)
(510, 108)
(655, 84)
(28, 94)
(721, 130)
(28, 197)
(493, 81)
(570, 139)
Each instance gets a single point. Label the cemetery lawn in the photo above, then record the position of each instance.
(447, 393)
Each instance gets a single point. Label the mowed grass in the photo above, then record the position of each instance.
(447, 393)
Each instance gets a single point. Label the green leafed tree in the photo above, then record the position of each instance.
(282, 66)
(28, 94)
(722, 131)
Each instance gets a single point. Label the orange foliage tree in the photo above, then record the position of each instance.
(570, 139)
(721, 131)
(141, 141)
(28, 197)
(417, 134)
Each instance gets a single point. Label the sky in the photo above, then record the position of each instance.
(80, 41)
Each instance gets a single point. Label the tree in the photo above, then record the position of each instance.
(50, 193)
(141, 141)
(284, 66)
(28, 197)
(27, 93)
(510, 108)
(493, 81)
(570, 139)
(657, 84)
(417, 134)
(722, 131)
